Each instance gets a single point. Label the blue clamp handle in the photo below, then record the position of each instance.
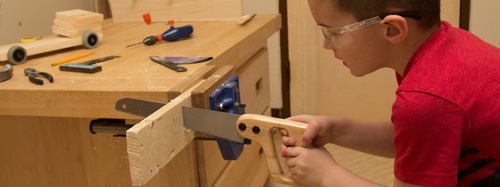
(227, 99)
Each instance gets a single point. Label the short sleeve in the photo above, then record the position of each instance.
(428, 136)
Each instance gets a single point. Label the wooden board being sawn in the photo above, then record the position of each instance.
(133, 74)
(157, 139)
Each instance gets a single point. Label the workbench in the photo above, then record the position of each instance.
(45, 138)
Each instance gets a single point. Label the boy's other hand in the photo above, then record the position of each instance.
(309, 166)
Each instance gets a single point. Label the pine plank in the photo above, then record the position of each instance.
(157, 139)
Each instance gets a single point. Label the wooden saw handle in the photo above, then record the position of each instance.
(260, 128)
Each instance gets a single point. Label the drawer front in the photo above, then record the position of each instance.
(254, 83)
(250, 169)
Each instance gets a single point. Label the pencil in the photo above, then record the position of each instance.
(72, 58)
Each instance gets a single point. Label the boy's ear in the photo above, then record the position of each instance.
(396, 28)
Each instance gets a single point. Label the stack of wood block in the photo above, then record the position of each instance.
(74, 23)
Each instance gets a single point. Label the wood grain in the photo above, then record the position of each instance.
(49, 151)
(261, 129)
(157, 139)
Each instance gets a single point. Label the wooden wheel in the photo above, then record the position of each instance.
(17, 55)
(90, 39)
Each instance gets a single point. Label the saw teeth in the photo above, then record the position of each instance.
(118, 109)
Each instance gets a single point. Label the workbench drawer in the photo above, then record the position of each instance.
(250, 169)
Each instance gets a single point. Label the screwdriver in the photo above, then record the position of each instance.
(172, 34)
(150, 40)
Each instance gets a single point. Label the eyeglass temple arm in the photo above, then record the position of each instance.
(409, 14)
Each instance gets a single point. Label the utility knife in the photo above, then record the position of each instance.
(229, 126)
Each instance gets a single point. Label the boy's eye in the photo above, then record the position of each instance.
(333, 34)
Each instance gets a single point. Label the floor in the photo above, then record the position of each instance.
(371, 167)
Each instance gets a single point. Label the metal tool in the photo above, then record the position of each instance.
(33, 73)
(172, 34)
(98, 60)
(6, 72)
(87, 66)
(80, 68)
(230, 126)
(167, 64)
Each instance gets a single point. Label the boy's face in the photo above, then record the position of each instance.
(361, 52)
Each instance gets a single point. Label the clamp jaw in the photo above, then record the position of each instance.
(227, 99)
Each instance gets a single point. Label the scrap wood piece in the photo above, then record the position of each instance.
(157, 139)
(79, 17)
(73, 23)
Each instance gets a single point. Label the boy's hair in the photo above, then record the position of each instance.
(364, 9)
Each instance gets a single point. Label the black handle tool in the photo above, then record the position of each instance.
(33, 73)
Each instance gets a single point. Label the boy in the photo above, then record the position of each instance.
(445, 123)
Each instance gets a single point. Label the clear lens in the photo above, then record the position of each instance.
(340, 36)
(337, 40)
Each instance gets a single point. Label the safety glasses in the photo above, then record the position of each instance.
(340, 37)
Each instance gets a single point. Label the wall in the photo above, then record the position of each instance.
(320, 84)
(484, 20)
(24, 18)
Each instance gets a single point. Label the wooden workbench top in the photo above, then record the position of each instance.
(131, 75)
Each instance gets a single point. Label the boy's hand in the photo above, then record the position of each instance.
(318, 132)
(309, 166)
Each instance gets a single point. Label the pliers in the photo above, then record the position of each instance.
(33, 73)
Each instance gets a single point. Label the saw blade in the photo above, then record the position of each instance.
(137, 107)
(213, 123)
(219, 124)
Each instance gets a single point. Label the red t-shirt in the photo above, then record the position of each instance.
(447, 112)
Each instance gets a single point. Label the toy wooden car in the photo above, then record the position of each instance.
(18, 53)
(71, 28)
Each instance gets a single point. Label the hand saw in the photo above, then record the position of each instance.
(229, 126)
